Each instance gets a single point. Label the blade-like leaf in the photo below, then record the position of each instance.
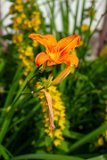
(46, 156)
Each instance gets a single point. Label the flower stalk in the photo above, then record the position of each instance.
(63, 74)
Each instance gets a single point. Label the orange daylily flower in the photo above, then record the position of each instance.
(57, 52)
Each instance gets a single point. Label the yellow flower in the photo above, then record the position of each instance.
(100, 142)
(23, 15)
(18, 1)
(57, 142)
(16, 22)
(35, 20)
(35, 44)
(17, 19)
(17, 38)
(90, 12)
(27, 24)
(29, 51)
(21, 51)
(30, 1)
(35, 14)
(26, 56)
(58, 134)
(25, 62)
(84, 27)
(19, 7)
(35, 23)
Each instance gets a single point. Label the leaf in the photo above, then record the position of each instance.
(89, 137)
(101, 157)
(46, 157)
(5, 153)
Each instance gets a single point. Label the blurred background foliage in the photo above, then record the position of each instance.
(79, 102)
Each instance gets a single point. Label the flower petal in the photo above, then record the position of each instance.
(41, 58)
(50, 109)
(48, 40)
(65, 45)
(71, 59)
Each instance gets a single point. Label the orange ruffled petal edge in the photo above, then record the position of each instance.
(41, 58)
(48, 40)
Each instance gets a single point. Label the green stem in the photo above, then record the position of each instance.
(52, 16)
(9, 115)
(89, 137)
(76, 15)
(63, 75)
(23, 125)
(11, 93)
(4, 129)
(5, 153)
(82, 14)
(27, 80)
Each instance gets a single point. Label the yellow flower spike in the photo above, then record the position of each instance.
(21, 23)
(58, 113)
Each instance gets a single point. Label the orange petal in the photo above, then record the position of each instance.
(51, 62)
(41, 58)
(71, 59)
(48, 40)
(65, 45)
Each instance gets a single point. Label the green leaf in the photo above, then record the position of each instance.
(89, 137)
(5, 153)
(72, 134)
(46, 156)
(101, 157)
